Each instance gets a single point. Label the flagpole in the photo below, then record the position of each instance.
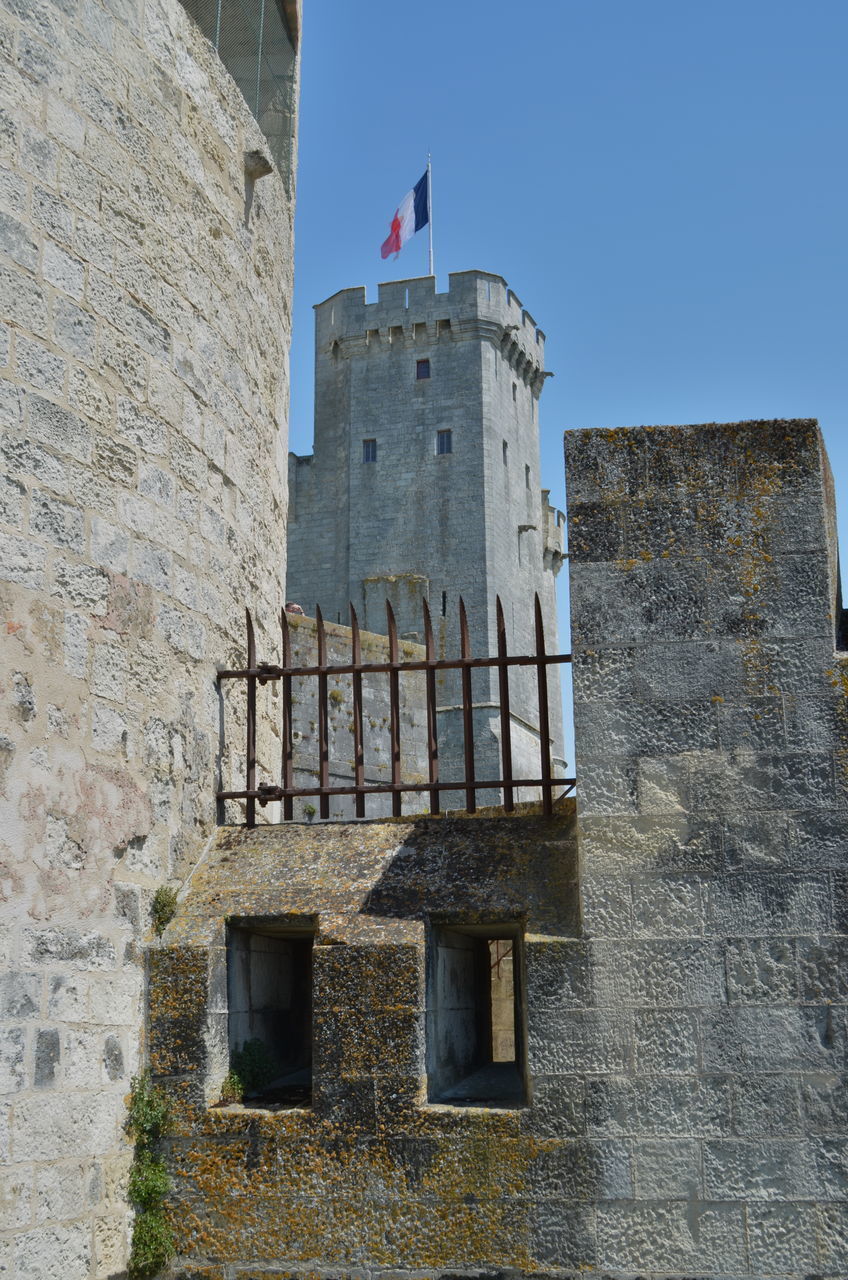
(430, 214)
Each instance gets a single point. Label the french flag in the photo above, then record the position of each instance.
(411, 215)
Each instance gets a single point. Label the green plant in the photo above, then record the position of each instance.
(336, 697)
(149, 1112)
(152, 1244)
(163, 908)
(310, 811)
(232, 1090)
(253, 1066)
(148, 1120)
(149, 1182)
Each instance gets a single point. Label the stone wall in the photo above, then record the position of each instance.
(145, 299)
(685, 1003)
(369, 1178)
(711, 726)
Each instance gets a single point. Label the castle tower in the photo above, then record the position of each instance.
(425, 482)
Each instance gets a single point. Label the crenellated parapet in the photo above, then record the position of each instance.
(410, 314)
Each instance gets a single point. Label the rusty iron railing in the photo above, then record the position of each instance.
(260, 673)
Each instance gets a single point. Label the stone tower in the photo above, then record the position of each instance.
(425, 483)
(145, 286)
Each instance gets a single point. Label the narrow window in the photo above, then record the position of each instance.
(514, 391)
(269, 1000)
(526, 477)
(444, 441)
(422, 369)
(505, 453)
(475, 1026)
(369, 450)
(444, 604)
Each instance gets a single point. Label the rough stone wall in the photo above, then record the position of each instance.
(369, 1179)
(711, 729)
(414, 522)
(144, 300)
(685, 982)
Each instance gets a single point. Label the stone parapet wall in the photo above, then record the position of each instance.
(710, 723)
(144, 324)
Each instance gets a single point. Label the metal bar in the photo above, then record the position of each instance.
(358, 748)
(544, 725)
(323, 718)
(394, 710)
(482, 784)
(288, 740)
(467, 713)
(270, 672)
(432, 719)
(503, 696)
(250, 752)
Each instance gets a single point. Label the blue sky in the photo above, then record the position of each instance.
(662, 182)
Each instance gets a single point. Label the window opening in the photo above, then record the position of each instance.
(444, 441)
(369, 450)
(526, 476)
(505, 453)
(396, 333)
(422, 369)
(406, 297)
(444, 604)
(373, 335)
(514, 391)
(475, 1025)
(419, 331)
(444, 326)
(269, 999)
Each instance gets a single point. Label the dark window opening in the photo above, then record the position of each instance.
(505, 453)
(396, 333)
(419, 331)
(422, 369)
(373, 335)
(444, 441)
(526, 477)
(444, 604)
(269, 995)
(515, 391)
(443, 326)
(369, 450)
(475, 1026)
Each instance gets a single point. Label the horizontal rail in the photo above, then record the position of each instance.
(268, 671)
(270, 793)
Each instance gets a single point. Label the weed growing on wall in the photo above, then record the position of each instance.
(148, 1120)
(163, 908)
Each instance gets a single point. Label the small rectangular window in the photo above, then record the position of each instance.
(443, 326)
(369, 450)
(269, 1000)
(475, 1025)
(422, 369)
(526, 477)
(515, 391)
(444, 442)
(505, 453)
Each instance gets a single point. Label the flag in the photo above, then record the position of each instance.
(411, 215)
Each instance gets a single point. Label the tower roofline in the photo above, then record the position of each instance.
(412, 299)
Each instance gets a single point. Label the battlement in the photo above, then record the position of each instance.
(412, 310)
